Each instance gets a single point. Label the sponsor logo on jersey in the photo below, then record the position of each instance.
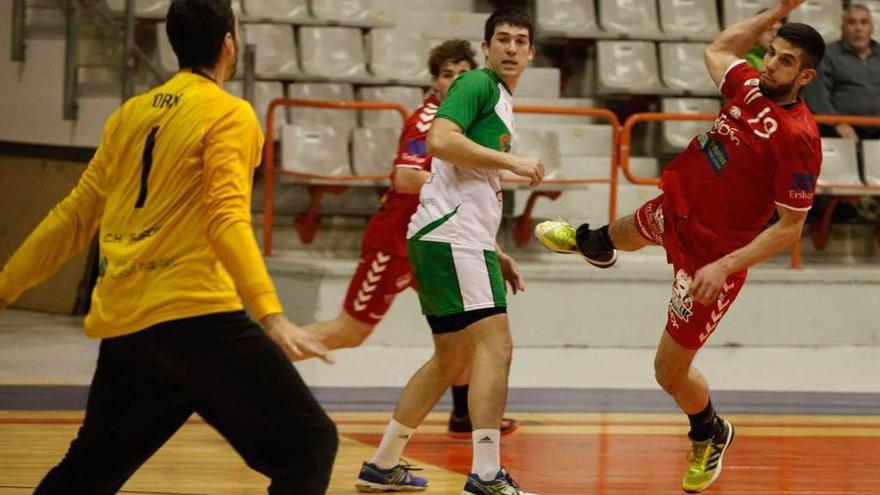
(801, 181)
(716, 154)
(723, 128)
(504, 143)
(752, 82)
(417, 147)
(735, 112)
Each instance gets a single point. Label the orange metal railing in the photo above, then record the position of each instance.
(269, 161)
(271, 170)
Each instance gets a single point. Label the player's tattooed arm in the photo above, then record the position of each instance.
(736, 40)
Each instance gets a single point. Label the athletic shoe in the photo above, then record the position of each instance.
(460, 427)
(704, 459)
(503, 484)
(397, 479)
(560, 236)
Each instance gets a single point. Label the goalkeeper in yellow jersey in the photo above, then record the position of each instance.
(169, 190)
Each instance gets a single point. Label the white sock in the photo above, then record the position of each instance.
(487, 453)
(390, 449)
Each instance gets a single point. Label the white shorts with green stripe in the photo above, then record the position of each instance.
(453, 279)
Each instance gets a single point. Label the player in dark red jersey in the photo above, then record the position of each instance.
(383, 269)
(762, 155)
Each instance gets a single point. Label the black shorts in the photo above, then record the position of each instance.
(459, 321)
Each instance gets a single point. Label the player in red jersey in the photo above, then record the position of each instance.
(383, 269)
(762, 154)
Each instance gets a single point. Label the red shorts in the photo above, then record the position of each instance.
(688, 322)
(378, 278)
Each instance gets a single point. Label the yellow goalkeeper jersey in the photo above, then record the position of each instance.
(169, 191)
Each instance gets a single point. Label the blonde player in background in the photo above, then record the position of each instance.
(169, 189)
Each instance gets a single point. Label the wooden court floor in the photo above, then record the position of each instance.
(552, 453)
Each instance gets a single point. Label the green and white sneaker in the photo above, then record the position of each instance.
(704, 460)
(560, 236)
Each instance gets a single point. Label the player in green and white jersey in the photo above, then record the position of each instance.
(461, 272)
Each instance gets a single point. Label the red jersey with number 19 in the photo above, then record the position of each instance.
(724, 187)
(387, 229)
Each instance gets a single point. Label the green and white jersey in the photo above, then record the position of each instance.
(461, 205)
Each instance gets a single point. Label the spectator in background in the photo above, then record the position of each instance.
(848, 80)
(755, 56)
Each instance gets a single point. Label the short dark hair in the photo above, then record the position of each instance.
(511, 17)
(196, 30)
(807, 39)
(454, 51)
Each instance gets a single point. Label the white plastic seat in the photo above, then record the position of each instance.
(334, 52)
(277, 10)
(586, 204)
(677, 135)
(264, 93)
(276, 50)
(684, 70)
(341, 10)
(542, 144)
(407, 96)
(583, 140)
(373, 150)
(446, 25)
(167, 58)
(146, 9)
(630, 18)
(630, 197)
(627, 67)
(314, 149)
(567, 18)
(823, 15)
(839, 162)
(737, 10)
(526, 120)
(871, 161)
(689, 19)
(340, 119)
(539, 82)
(398, 54)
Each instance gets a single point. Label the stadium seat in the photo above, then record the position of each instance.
(598, 167)
(567, 18)
(874, 7)
(689, 19)
(264, 93)
(539, 82)
(409, 97)
(146, 9)
(871, 161)
(341, 10)
(737, 10)
(399, 54)
(543, 144)
(373, 150)
(339, 119)
(540, 119)
(333, 52)
(630, 18)
(276, 10)
(684, 70)
(824, 15)
(276, 50)
(583, 140)
(314, 149)
(627, 67)
(632, 196)
(678, 134)
(446, 25)
(839, 162)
